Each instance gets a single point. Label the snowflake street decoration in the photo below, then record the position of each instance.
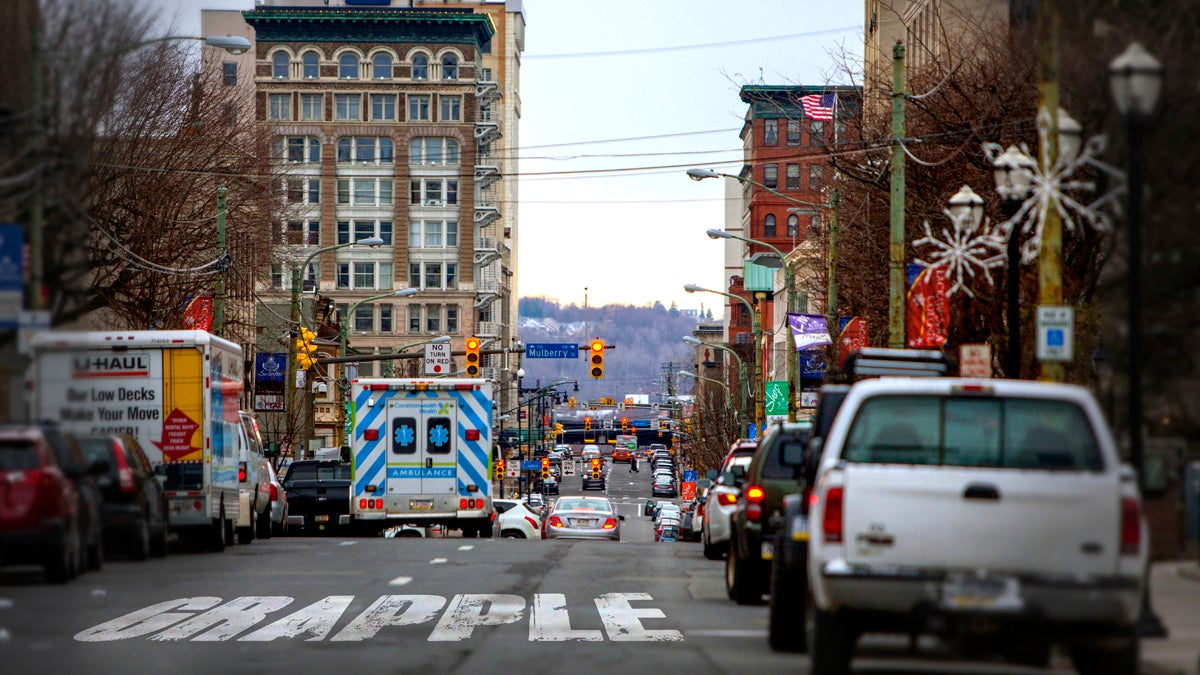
(963, 250)
(1050, 190)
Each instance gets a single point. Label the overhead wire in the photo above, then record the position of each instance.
(703, 45)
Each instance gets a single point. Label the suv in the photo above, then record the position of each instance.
(759, 513)
(83, 473)
(43, 519)
(135, 503)
(722, 499)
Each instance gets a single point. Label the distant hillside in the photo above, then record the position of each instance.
(645, 338)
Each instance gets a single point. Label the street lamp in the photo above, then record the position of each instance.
(1013, 171)
(756, 331)
(403, 293)
(741, 364)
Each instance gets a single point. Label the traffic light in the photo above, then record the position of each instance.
(545, 468)
(571, 403)
(587, 423)
(500, 469)
(596, 359)
(595, 468)
(625, 425)
(472, 357)
(305, 349)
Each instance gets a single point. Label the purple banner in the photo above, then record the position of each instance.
(809, 330)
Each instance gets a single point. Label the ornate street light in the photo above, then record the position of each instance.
(1013, 171)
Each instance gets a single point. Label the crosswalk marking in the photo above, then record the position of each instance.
(399, 581)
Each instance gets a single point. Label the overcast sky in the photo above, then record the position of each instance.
(650, 86)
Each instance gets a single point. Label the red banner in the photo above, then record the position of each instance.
(928, 309)
(852, 337)
(198, 314)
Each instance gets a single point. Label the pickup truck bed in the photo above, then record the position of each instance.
(318, 493)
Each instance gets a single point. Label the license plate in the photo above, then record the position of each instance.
(585, 522)
(798, 528)
(420, 504)
(176, 507)
(322, 519)
(768, 550)
(991, 593)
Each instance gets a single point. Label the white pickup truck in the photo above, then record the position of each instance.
(994, 514)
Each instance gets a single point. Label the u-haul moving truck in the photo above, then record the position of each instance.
(176, 391)
(422, 453)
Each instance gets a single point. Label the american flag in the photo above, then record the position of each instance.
(818, 106)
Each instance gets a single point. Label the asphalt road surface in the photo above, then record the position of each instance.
(409, 605)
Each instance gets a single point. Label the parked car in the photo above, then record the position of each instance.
(135, 504)
(254, 485)
(663, 487)
(318, 494)
(279, 502)
(43, 514)
(583, 518)
(722, 498)
(753, 524)
(83, 473)
(515, 520)
(1039, 536)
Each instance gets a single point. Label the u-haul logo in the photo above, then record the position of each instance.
(111, 365)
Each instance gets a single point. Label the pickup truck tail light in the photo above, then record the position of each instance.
(754, 498)
(726, 498)
(1131, 526)
(831, 516)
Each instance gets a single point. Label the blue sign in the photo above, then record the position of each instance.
(639, 424)
(531, 465)
(269, 367)
(552, 350)
(690, 476)
(12, 274)
(811, 362)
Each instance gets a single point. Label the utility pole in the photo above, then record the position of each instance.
(37, 228)
(831, 310)
(218, 320)
(896, 305)
(1050, 290)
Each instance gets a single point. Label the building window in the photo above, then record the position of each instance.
(348, 66)
(769, 226)
(298, 149)
(793, 132)
(312, 106)
(414, 275)
(364, 318)
(433, 192)
(449, 67)
(770, 132)
(343, 232)
(383, 107)
(771, 175)
(433, 318)
(229, 73)
(816, 133)
(793, 177)
(302, 191)
(347, 107)
(280, 107)
(433, 234)
(276, 275)
(814, 178)
(433, 150)
(365, 229)
(451, 108)
(418, 108)
(420, 67)
(381, 66)
(451, 276)
(343, 276)
(364, 192)
(301, 233)
(793, 226)
(414, 318)
(364, 275)
(365, 150)
(451, 318)
(311, 65)
(280, 63)
(433, 275)
(385, 318)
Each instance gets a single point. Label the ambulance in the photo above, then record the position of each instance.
(422, 454)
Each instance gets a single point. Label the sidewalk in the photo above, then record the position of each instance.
(1175, 588)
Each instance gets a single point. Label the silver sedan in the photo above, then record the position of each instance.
(583, 518)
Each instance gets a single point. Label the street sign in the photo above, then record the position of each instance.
(12, 274)
(552, 350)
(690, 476)
(975, 361)
(437, 358)
(514, 473)
(531, 465)
(568, 468)
(687, 491)
(608, 424)
(1055, 333)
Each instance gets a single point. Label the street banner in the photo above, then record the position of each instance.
(809, 330)
(811, 364)
(12, 274)
(852, 336)
(687, 491)
(269, 367)
(776, 400)
(928, 309)
(198, 313)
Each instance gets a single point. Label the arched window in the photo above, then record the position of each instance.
(420, 67)
(449, 67)
(348, 65)
(311, 61)
(279, 65)
(769, 226)
(381, 66)
(793, 226)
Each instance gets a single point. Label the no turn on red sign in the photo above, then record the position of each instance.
(437, 358)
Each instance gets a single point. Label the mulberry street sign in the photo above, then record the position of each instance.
(552, 350)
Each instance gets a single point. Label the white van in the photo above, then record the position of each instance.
(254, 483)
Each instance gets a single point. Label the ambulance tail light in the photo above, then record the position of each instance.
(371, 435)
(472, 434)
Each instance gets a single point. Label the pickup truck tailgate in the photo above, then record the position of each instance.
(1018, 521)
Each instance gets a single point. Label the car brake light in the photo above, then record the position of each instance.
(1131, 527)
(555, 521)
(241, 472)
(274, 493)
(831, 516)
(610, 523)
(754, 498)
(125, 479)
(755, 494)
(726, 499)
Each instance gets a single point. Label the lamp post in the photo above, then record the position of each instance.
(694, 376)
(1013, 171)
(294, 321)
(403, 293)
(789, 268)
(756, 331)
(1135, 78)
(741, 366)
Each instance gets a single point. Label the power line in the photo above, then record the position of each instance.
(703, 45)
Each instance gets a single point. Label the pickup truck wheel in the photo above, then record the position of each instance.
(831, 645)
(786, 631)
(1107, 660)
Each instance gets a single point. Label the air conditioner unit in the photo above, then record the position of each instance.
(434, 202)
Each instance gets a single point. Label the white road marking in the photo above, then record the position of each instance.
(550, 621)
(727, 632)
(466, 612)
(399, 581)
(437, 561)
(391, 610)
(347, 543)
(6, 603)
(465, 547)
(147, 620)
(623, 622)
(315, 621)
(236, 616)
